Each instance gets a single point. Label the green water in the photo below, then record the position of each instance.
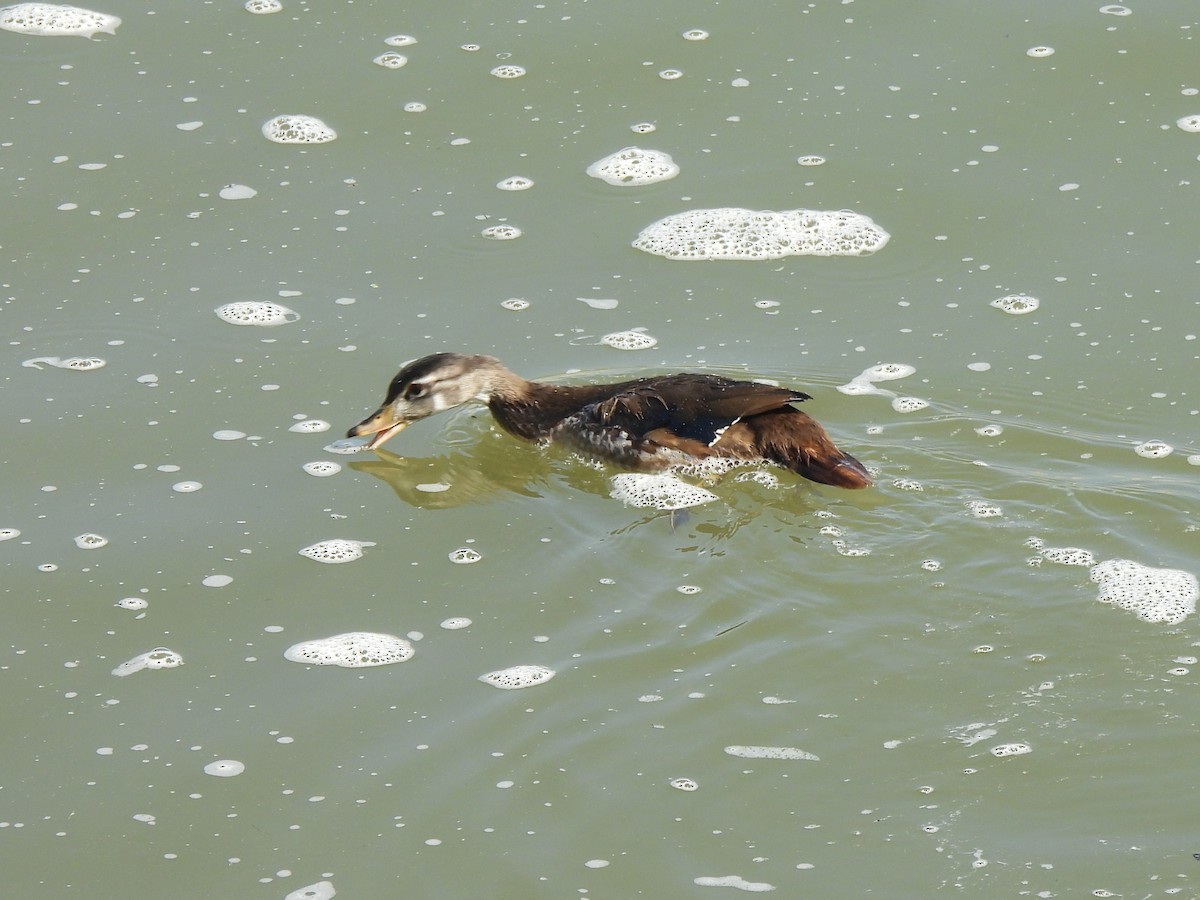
(907, 636)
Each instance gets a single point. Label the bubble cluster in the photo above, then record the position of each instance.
(322, 468)
(1016, 304)
(909, 404)
(657, 491)
(515, 304)
(263, 7)
(1156, 595)
(517, 677)
(132, 603)
(338, 550)
(735, 233)
(454, 623)
(391, 60)
(633, 166)
(864, 382)
(508, 71)
(811, 159)
(1154, 449)
(70, 363)
(256, 312)
(297, 129)
(751, 751)
(309, 426)
(515, 183)
(158, 658)
(465, 555)
(643, 127)
(1189, 123)
(684, 784)
(351, 650)
(50, 20)
(1068, 556)
(982, 509)
(1013, 749)
(629, 340)
(90, 541)
(501, 232)
(400, 40)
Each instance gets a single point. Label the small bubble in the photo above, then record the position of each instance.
(1040, 51)
(186, 487)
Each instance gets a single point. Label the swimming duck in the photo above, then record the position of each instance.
(645, 423)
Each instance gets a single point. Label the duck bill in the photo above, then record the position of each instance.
(381, 426)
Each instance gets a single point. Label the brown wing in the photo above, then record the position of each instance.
(692, 407)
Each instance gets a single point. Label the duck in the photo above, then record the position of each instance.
(645, 424)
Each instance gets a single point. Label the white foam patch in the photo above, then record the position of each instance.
(909, 404)
(515, 183)
(865, 381)
(465, 556)
(1189, 123)
(1154, 449)
(454, 623)
(982, 509)
(391, 60)
(1016, 748)
(158, 658)
(346, 446)
(657, 491)
(309, 426)
(735, 233)
(225, 768)
(633, 166)
(132, 603)
(90, 541)
(70, 363)
(684, 784)
(256, 312)
(508, 71)
(1156, 595)
(1068, 556)
(501, 232)
(734, 881)
(351, 650)
(517, 677)
(7, 534)
(338, 550)
(322, 468)
(297, 129)
(51, 20)
(237, 192)
(751, 751)
(636, 339)
(1016, 304)
(263, 7)
(321, 890)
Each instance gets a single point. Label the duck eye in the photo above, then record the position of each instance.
(415, 391)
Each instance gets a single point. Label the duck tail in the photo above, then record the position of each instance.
(836, 468)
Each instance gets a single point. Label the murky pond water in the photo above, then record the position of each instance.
(950, 681)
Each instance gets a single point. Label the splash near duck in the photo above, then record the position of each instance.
(645, 424)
